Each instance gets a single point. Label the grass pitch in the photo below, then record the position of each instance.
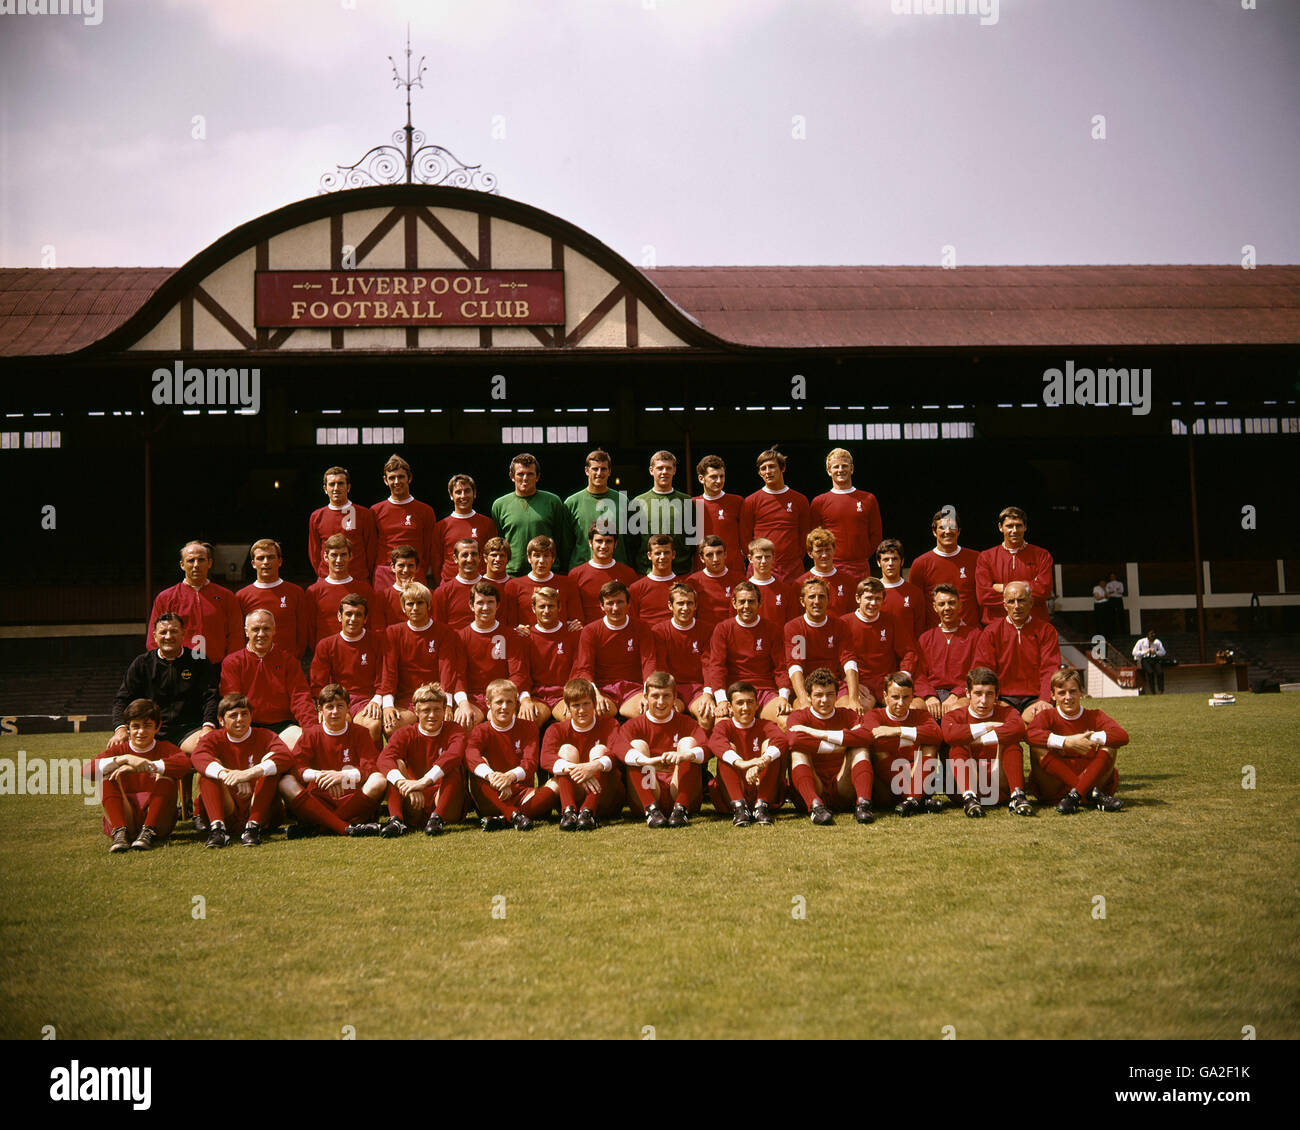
(895, 930)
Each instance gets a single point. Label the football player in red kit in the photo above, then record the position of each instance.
(424, 765)
(778, 600)
(338, 582)
(548, 655)
(541, 561)
(345, 517)
(903, 600)
(451, 599)
(354, 656)
(841, 586)
(418, 651)
(947, 564)
(401, 520)
(1014, 560)
(780, 514)
(502, 758)
(815, 639)
(405, 566)
(1072, 750)
(664, 753)
(904, 742)
(492, 652)
(463, 522)
(852, 515)
(137, 781)
(271, 679)
(210, 613)
(284, 600)
(751, 761)
(591, 576)
(828, 777)
(1024, 651)
(721, 514)
(945, 654)
(874, 645)
(616, 653)
(714, 583)
(648, 595)
(576, 752)
(239, 766)
(984, 737)
(681, 646)
(747, 648)
(335, 784)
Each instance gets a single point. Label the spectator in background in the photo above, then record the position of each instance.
(1101, 617)
(1150, 653)
(1115, 594)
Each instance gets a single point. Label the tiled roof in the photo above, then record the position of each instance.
(828, 307)
(59, 311)
(62, 310)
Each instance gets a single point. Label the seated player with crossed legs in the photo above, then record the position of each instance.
(424, 765)
(828, 777)
(334, 785)
(576, 752)
(501, 756)
(1072, 750)
(238, 767)
(751, 763)
(984, 736)
(138, 779)
(664, 752)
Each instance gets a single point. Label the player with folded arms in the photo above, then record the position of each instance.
(984, 737)
(828, 777)
(239, 766)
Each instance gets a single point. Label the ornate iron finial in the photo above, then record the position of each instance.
(408, 154)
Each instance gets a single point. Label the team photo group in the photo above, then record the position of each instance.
(598, 655)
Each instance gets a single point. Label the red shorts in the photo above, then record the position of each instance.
(551, 696)
(357, 703)
(689, 692)
(621, 691)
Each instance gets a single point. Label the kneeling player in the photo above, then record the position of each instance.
(1072, 750)
(334, 785)
(138, 779)
(576, 752)
(751, 769)
(238, 765)
(664, 754)
(984, 736)
(502, 757)
(827, 776)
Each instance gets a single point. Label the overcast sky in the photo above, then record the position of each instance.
(676, 131)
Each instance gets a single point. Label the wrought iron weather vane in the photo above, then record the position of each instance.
(408, 159)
